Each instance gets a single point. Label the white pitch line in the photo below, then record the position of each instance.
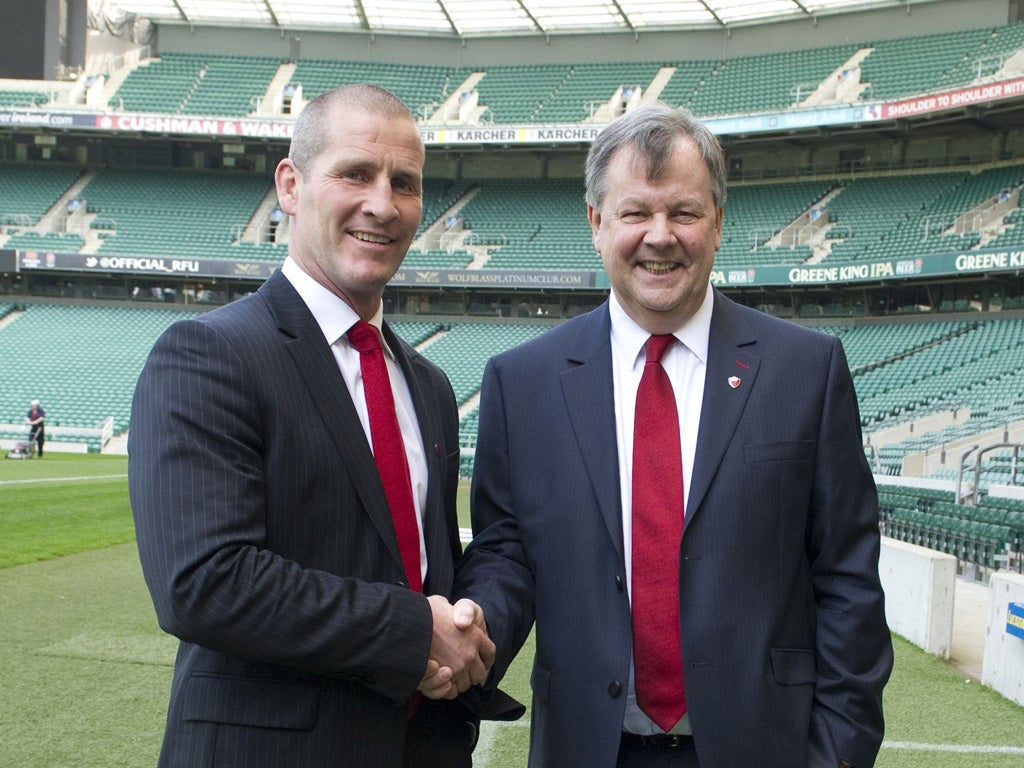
(482, 750)
(489, 731)
(60, 479)
(959, 748)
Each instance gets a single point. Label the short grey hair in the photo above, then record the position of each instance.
(652, 130)
(313, 126)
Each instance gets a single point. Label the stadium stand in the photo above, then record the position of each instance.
(985, 535)
(463, 349)
(422, 87)
(212, 84)
(515, 223)
(416, 332)
(756, 213)
(439, 195)
(941, 373)
(764, 82)
(586, 86)
(80, 362)
(923, 382)
(182, 83)
(11, 98)
(45, 241)
(28, 191)
(172, 213)
(502, 93)
(531, 227)
(883, 216)
(901, 370)
(229, 85)
(158, 85)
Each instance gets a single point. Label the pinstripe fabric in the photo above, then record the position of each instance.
(268, 547)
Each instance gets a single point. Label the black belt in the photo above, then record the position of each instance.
(658, 741)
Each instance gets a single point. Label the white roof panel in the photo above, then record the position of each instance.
(467, 18)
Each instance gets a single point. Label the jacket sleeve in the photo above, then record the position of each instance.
(495, 571)
(854, 646)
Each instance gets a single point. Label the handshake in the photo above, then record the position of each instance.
(461, 653)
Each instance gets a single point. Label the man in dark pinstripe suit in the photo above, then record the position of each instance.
(263, 528)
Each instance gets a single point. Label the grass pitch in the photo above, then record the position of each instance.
(86, 671)
(62, 504)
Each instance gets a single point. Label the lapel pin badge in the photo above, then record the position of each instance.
(734, 381)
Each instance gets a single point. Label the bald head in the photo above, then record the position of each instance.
(313, 126)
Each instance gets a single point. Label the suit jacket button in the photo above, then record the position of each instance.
(401, 583)
(615, 690)
(619, 583)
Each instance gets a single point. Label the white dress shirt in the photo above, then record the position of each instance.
(335, 317)
(686, 364)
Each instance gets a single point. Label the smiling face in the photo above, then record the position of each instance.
(657, 237)
(356, 204)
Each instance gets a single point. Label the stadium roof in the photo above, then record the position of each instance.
(481, 18)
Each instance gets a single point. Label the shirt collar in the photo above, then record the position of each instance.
(693, 334)
(332, 313)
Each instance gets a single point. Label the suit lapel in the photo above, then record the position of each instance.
(440, 572)
(318, 368)
(588, 388)
(731, 370)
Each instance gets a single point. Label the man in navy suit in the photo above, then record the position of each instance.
(263, 525)
(774, 602)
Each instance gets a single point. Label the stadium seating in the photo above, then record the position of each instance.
(464, 348)
(183, 83)
(756, 212)
(158, 85)
(11, 98)
(899, 368)
(187, 83)
(505, 93)
(45, 241)
(415, 332)
(767, 82)
(422, 87)
(173, 213)
(438, 196)
(525, 225)
(80, 362)
(28, 191)
(979, 368)
(587, 86)
(882, 217)
(987, 534)
(437, 258)
(531, 226)
(230, 85)
(271, 252)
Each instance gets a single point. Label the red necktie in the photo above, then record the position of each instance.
(388, 446)
(657, 532)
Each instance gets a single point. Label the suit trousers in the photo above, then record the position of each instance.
(440, 734)
(657, 752)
